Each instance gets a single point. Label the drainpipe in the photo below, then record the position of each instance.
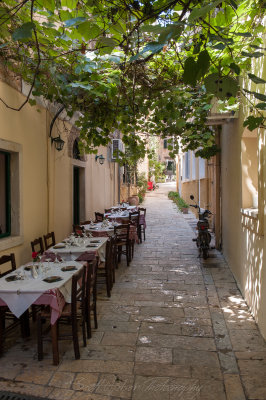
(119, 182)
(199, 181)
(119, 176)
(218, 195)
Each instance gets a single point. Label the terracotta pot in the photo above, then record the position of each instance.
(184, 210)
(133, 200)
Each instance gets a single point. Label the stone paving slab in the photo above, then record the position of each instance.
(176, 327)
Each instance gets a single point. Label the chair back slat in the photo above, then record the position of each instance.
(8, 259)
(142, 211)
(37, 245)
(99, 217)
(78, 292)
(108, 256)
(49, 240)
(134, 218)
(122, 232)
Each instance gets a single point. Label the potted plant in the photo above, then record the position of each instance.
(179, 201)
(182, 205)
(142, 186)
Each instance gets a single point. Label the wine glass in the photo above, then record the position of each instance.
(19, 274)
(47, 267)
(57, 259)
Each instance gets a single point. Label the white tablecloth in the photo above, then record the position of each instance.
(71, 252)
(129, 208)
(19, 295)
(120, 215)
(108, 230)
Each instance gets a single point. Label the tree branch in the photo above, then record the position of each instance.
(35, 73)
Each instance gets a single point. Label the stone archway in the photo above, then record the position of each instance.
(73, 150)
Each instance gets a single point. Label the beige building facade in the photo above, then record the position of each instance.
(48, 189)
(234, 189)
(243, 199)
(164, 157)
(243, 213)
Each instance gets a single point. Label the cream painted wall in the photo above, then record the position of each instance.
(47, 175)
(28, 128)
(244, 235)
(243, 248)
(249, 171)
(231, 178)
(100, 188)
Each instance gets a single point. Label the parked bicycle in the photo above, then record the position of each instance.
(204, 237)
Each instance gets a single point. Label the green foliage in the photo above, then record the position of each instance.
(150, 67)
(141, 198)
(253, 122)
(223, 87)
(156, 169)
(142, 186)
(178, 200)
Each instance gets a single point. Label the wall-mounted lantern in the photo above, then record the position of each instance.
(100, 158)
(59, 143)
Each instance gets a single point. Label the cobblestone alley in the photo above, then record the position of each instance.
(174, 328)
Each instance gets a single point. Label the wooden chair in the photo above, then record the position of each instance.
(99, 217)
(91, 296)
(106, 269)
(37, 245)
(71, 312)
(134, 220)
(10, 260)
(122, 242)
(49, 240)
(78, 230)
(5, 314)
(142, 223)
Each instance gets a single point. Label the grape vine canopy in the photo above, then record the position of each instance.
(151, 67)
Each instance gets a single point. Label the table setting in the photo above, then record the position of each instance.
(105, 228)
(125, 205)
(117, 215)
(76, 248)
(40, 283)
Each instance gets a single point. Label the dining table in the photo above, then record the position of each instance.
(126, 206)
(43, 284)
(107, 229)
(79, 249)
(117, 216)
(39, 283)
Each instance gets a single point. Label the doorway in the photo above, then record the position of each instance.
(76, 196)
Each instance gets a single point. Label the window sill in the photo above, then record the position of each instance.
(250, 212)
(10, 241)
